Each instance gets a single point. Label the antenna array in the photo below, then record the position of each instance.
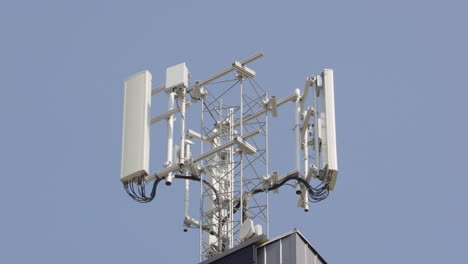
(232, 165)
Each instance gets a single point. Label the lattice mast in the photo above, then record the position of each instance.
(232, 164)
(234, 170)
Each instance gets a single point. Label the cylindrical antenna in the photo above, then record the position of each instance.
(241, 155)
(231, 173)
(267, 174)
(316, 125)
(187, 186)
(170, 137)
(297, 133)
(183, 99)
(305, 193)
(201, 185)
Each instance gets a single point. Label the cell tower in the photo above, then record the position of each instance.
(227, 152)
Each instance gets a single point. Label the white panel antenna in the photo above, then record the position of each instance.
(329, 135)
(136, 127)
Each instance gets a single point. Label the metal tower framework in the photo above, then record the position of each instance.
(232, 171)
(232, 164)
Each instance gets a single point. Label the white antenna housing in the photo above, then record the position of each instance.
(247, 230)
(136, 127)
(176, 76)
(328, 125)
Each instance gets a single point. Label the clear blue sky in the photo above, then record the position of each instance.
(400, 80)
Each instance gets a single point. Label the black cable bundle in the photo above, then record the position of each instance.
(137, 189)
(316, 194)
(139, 194)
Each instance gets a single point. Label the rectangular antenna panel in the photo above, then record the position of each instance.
(329, 135)
(176, 76)
(136, 127)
